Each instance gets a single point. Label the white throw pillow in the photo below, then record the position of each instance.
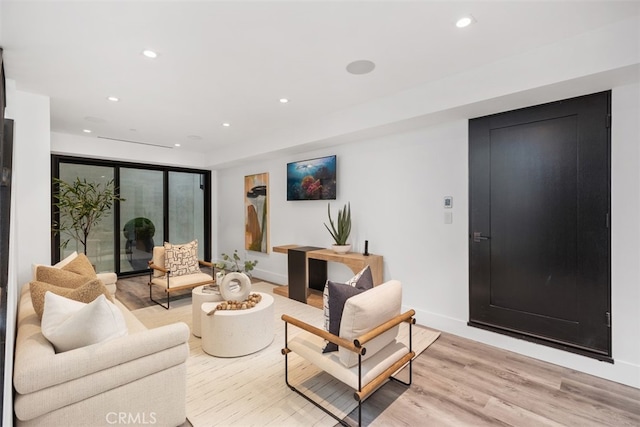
(365, 311)
(70, 324)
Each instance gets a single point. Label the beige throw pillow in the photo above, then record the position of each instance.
(60, 277)
(82, 266)
(86, 293)
(181, 259)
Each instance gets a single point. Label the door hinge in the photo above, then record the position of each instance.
(608, 319)
(608, 121)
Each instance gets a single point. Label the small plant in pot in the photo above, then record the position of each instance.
(341, 229)
(233, 263)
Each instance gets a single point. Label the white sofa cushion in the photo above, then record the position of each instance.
(309, 347)
(365, 311)
(70, 324)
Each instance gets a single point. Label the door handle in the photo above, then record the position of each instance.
(477, 237)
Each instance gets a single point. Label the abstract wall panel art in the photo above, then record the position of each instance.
(256, 217)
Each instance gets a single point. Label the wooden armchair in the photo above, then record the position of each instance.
(161, 276)
(368, 354)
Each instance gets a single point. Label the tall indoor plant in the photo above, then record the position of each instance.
(341, 229)
(80, 206)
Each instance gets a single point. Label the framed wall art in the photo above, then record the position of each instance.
(256, 217)
(313, 179)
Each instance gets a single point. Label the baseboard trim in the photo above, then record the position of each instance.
(622, 372)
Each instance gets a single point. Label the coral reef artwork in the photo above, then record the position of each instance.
(313, 179)
(256, 219)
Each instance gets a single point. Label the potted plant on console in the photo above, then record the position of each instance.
(341, 229)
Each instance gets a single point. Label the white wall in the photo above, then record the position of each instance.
(31, 207)
(396, 186)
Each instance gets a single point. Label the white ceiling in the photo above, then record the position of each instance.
(232, 61)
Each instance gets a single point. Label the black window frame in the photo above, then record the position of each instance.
(57, 160)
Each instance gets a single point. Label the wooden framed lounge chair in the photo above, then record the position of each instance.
(369, 353)
(160, 275)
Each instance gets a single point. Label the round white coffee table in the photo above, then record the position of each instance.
(233, 333)
(198, 297)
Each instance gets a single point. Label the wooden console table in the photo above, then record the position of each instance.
(307, 267)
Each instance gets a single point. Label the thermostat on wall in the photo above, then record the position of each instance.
(448, 201)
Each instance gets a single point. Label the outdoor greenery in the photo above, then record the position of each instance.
(80, 206)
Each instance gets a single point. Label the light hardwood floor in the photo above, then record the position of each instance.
(460, 382)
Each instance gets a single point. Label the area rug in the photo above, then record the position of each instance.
(250, 390)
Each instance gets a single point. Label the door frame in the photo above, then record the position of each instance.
(473, 204)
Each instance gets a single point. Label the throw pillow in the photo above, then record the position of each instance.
(362, 280)
(70, 324)
(181, 259)
(60, 277)
(339, 293)
(366, 311)
(86, 293)
(67, 260)
(82, 266)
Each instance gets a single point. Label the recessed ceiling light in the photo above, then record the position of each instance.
(86, 130)
(113, 98)
(177, 145)
(149, 54)
(361, 66)
(283, 100)
(465, 21)
(226, 125)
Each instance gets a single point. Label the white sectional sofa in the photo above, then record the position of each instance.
(139, 378)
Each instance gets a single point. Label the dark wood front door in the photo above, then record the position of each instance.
(539, 224)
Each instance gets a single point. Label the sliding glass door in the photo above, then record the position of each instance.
(186, 208)
(160, 204)
(141, 216)
(100, 248)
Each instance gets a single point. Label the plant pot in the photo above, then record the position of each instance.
(341, 249)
